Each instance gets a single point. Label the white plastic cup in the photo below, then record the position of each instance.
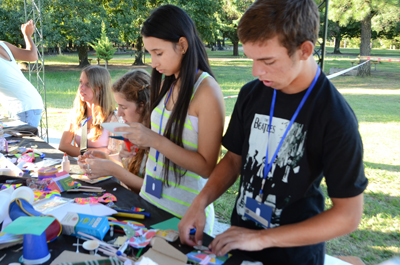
(24, 193)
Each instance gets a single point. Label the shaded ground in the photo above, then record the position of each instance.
(67, 67)
(129, 66)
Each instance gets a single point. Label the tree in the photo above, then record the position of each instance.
(78, 21)
(127, 17)
(338, 32)
(364, 11)
(232, 11)
(12, 15)
(104, 48)
(205, 15)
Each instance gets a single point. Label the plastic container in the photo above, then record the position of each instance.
(65, 165)
(47, 172)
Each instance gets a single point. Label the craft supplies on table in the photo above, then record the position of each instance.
(84, 178)
(96, 226)
(47, 172)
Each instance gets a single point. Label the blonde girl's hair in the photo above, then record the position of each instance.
(135, 87)
(104, 102)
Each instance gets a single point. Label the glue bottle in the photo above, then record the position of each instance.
(3, 141)
(65, 163)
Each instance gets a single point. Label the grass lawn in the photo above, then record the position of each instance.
(376, 102)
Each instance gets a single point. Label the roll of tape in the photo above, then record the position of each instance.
(25, 193)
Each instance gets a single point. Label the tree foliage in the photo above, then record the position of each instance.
(104, 48)
(372, 14)
(338, 32)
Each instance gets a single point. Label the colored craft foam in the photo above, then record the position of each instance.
(47, 172)
(96, 226)
(35, 249)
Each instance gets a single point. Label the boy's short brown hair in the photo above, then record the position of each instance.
(294, 21)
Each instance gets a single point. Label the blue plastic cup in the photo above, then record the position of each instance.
(35, 249)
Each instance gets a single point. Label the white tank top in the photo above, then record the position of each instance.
(177, 198)
(17, 94)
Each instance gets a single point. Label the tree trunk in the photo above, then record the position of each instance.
(219, 45)
(336, 50)
(83, 55)
(106, 64)
(59, 50)
(365, 48)
(235, 48)
(139, 51)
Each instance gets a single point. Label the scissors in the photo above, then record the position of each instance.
(127, 142)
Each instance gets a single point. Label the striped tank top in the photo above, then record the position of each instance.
(175, 198)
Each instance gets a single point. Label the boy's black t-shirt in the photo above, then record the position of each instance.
(323, 141)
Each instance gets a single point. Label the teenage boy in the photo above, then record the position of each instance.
(289, 129)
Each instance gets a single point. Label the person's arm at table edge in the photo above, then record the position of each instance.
(342, 218)
(223, 176)
(66, 146)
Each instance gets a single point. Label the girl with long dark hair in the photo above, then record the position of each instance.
(187, 116)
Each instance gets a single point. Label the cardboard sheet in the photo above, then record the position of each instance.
(70, 256)
(163, 253)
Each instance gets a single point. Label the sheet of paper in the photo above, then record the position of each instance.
(34, 225)
(91, 209)
(99, 209)
(60, 212)
(168, 224)
(110, 126)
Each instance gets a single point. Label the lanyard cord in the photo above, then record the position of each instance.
(271, 114)
(162, 115)
(159, 131)
(83, 124)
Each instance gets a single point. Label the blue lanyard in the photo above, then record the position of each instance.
(162, 115)
(271, 114)
(159, 131)
(83, 124)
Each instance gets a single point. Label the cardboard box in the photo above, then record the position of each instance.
(96, 226)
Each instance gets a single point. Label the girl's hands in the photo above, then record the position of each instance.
(124, 152)
(97, 167)
(82, 162)
(139, 135)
